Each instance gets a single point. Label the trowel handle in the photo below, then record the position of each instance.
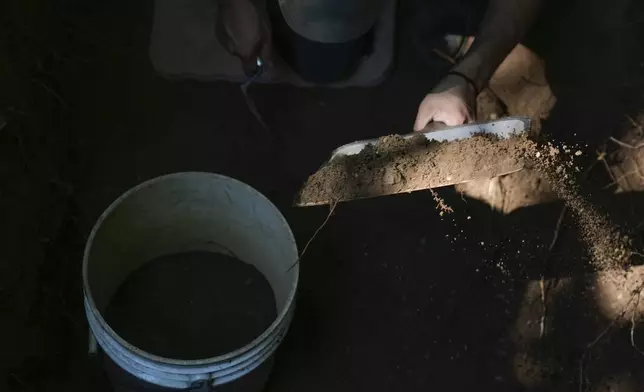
(434, 126)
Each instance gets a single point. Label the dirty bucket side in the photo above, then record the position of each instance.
(179, 213)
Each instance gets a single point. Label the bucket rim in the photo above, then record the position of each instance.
(87, 293)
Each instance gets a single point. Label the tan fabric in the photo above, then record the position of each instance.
(331, 21)
(183, 45)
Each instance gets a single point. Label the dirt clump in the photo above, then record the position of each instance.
(396, 165)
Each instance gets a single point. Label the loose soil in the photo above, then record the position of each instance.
(608, 248)
(192, 305)
(395, 165)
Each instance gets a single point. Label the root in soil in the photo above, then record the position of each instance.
(315, 234)
(440, 204)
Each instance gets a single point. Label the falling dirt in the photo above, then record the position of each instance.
(396, 165)
(608, 248)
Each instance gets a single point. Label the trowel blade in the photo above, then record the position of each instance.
(503, 129)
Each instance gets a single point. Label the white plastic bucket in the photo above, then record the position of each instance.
(187, 212)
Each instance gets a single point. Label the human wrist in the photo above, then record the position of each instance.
(455, 84)
(471, 83)
(472, 67)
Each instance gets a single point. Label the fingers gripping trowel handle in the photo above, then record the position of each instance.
(434, 126)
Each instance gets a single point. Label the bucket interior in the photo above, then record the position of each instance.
(190, 212)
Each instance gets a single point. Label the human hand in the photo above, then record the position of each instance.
(451, 102)
(244, 30)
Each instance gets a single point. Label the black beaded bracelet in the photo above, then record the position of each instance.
(467, 79)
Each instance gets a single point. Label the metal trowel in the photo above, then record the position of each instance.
(503, 129)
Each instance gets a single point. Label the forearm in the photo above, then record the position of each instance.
(505, 23)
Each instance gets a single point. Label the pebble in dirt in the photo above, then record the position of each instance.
(192, 305)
